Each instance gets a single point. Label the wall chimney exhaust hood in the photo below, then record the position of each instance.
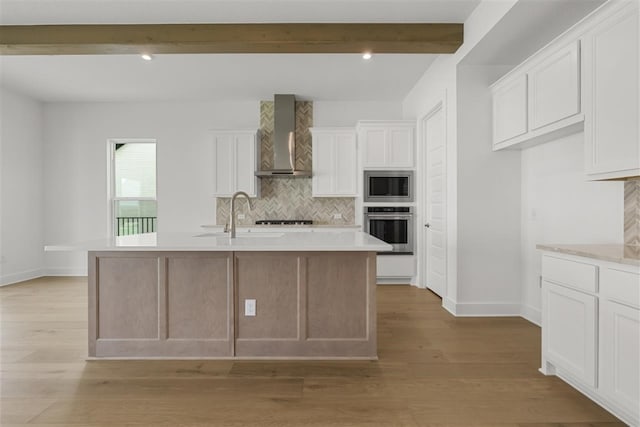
(284, 140)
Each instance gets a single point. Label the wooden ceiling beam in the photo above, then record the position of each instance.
(229, 38)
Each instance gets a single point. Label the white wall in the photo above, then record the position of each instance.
(439, 84)
(344, 113)
(560, 206)
(76, 161)
(488, 203)
(21, 188)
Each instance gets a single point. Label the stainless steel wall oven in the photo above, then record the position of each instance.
(393, 224)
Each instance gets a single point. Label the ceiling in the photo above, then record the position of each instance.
(339, 77)
(223, 76)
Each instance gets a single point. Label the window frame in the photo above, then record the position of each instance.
(112, 199)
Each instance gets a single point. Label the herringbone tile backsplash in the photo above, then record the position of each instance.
(632, 212)
(289, 198)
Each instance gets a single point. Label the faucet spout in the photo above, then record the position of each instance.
(232, 213)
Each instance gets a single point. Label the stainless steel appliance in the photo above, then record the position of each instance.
(393, 224)
(388, 186)
(284, 140)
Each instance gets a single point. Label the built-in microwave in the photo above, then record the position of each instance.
(388, 186)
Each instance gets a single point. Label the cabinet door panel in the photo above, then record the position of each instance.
(345, 165)
(223, 147)
(555, 87)
(400, 147)
(323, 160)
(245, 163)
(375, 148)
(620, 352)
(510, 110)
(570, 328)
(611, 71)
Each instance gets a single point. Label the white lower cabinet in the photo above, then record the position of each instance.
(620, 339)
(591, 329)
(570, 319)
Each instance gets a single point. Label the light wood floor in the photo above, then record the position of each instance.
(434, 370)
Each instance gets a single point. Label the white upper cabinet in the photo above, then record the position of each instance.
(510, 109)
(334, 162)
(612, 137)
(554, 87)
(235, 162)
(387, 144)
(540, 99)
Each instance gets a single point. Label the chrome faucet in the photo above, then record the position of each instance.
(232, 213)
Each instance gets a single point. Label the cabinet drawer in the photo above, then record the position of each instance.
(572, 273)
(622, 286)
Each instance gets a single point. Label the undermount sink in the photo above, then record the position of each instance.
(241, 234)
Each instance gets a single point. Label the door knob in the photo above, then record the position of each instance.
(427, 225)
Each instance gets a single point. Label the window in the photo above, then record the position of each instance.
(132, 184)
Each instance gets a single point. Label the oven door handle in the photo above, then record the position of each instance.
(389, 216)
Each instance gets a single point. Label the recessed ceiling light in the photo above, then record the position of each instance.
(366, 55)
(146, 56)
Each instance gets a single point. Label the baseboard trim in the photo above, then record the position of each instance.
(532, 314)
(11, 279)
(481, 309)
(449, 305)
(60, 271)
(393, 281)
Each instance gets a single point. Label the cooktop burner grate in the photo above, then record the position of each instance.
(284, 222)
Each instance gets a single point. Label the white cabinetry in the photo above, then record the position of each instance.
(334, 162)
(387, 144)
(570, 322)
(612, 137)
(591, 329)
(620, 338)
(235, 162)
(510, 109)
(554, 86)
(540, 99)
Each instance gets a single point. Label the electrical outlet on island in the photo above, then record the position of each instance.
(337, 216)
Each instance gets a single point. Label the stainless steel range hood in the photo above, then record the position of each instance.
(284, 140)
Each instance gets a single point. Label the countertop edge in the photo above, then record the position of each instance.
(592, 251)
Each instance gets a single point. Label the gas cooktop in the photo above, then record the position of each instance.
(284, 222)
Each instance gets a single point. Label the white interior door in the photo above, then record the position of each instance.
(434, 215)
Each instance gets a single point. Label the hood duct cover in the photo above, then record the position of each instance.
(284, 142)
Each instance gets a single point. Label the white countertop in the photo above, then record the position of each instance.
(245, 241)
(623, 254)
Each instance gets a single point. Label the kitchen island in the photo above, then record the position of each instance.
(260, 295)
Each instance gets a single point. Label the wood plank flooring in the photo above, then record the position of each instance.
(434, 370)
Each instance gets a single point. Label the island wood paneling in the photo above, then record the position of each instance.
(337, 297)
(127, 294)
(199, 291)
(273, 280)
(160, 304)
(191, 304)
(330, 304)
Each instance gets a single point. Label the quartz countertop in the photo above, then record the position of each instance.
(245, 241)
(623, 254)
(288, 227)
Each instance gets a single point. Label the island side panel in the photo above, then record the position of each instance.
(190, 295)
(334, 313)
